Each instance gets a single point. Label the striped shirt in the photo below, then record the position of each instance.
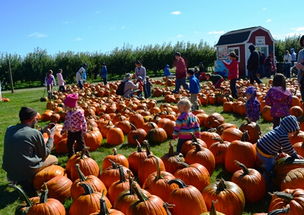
(276, 140)
(186, 125)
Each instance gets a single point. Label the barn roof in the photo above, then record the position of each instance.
(236, 36)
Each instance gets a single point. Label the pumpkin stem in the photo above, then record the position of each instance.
(212, 209)
(179, 182)
(243, 167)
(197, 147)
(183, 164)
(158, 175)
(167, 206)
(87, 188)
(194, 139)
(142, 197)
(122, 177)
(220, 186)
(279, 211)
(114, 151)
(85, 152)
(139, 149)
(103, 206)
(245, 136)
(286, 196)
(148, 151)
(248, 120)
(23, 194)
(133, 127)
(80, 173)
(44, 194)
(171, 149)
(131, 182)
(114, 165)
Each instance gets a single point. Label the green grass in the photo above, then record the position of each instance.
(9, 116)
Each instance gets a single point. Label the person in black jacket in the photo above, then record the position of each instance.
(253, 65)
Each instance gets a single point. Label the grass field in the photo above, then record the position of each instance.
(9, 116)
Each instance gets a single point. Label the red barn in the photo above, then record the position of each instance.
(239, 41)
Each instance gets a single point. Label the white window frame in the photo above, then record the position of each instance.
(230, 49)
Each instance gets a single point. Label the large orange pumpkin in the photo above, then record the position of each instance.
(115, 136)
(117, 158)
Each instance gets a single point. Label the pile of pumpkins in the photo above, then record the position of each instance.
(142, 183)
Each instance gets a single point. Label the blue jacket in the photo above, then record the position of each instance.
(167, 70)
(104, 71)
(194, 85)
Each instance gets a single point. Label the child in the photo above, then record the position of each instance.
(50, 82)
(215, 79)
(279, 98)
(186, 124)
(273, 142)
(233, 74)
(194, 89)
(167, 72)
(252, 104)
(61, 81)
(140, 86)
(75, 124)
(148, 86)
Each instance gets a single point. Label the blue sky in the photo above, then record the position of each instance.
(102, 25)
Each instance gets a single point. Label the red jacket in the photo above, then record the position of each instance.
(233, 68)
(181, 69)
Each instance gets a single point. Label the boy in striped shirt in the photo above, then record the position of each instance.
(275, 141)
(186, 124)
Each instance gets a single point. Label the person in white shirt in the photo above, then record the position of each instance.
(79, 79)
(287, 63)
(61, 81)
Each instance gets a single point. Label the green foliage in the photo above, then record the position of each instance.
(282, 45)
(33, 66)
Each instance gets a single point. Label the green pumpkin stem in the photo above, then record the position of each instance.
(82, 177)
(44, 194)
(179, 182)
(243, 167)
(114, 151)
(194, 139)
(131, 182)
(142, 197)
(103, 206)
(85, 152)
(279, 211)
(221, 186)
(197, 146)
(185, 165)
(133, 127)
(87, 189)
(286, 196)
(22, 194)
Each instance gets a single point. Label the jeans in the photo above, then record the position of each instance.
(61, 88)
(179, 146)
(253, 77)
(72, 138)
(180, 82)
(267, 165)
(104, 81)
(80, 84)
(287, 70)
(233, 88)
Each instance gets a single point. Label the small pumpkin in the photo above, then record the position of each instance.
(117, 158)
(135, 158)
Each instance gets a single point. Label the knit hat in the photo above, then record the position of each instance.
(251, 90)
(71, 100)
(27, 113)
(290, 124)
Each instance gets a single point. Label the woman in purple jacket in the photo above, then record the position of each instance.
(279, 98)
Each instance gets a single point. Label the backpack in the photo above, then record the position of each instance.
(120, 88)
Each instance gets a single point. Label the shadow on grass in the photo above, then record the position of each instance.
(7, 196)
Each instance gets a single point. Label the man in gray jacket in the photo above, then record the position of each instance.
(25, 150)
